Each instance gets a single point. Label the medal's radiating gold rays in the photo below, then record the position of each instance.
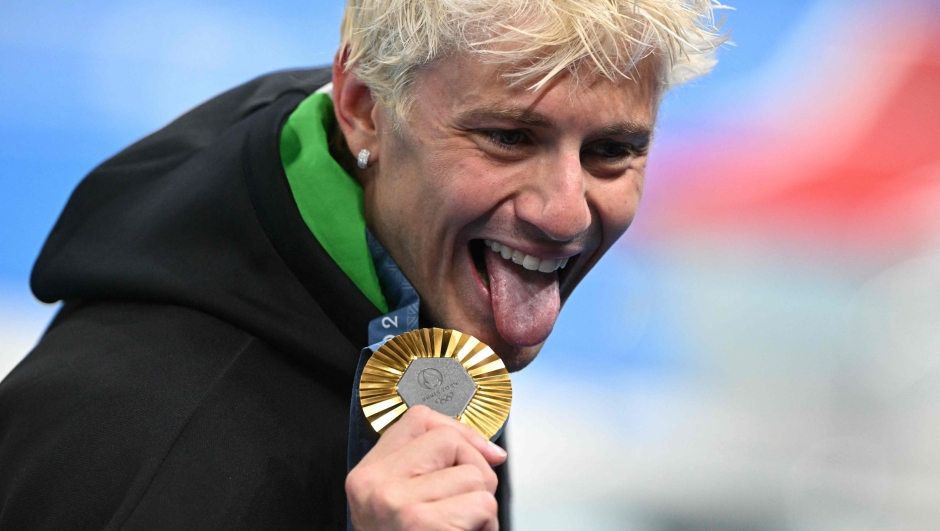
(378, 389)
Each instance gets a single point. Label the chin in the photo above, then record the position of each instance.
(516, 358)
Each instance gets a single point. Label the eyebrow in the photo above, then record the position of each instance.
(537, 119)
(516, 114)
(630, 128)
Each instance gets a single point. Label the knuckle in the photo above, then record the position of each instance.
(418, 412)
(384, 500)
(448, 433)
(475, 477)
(419, 409)
(413, 517)
(413, 419)
(435, 419)
(487, 502)
(355, 484)
(490, 477)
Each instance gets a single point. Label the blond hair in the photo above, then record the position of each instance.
(386, 41)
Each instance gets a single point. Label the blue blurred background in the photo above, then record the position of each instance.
(762, 349)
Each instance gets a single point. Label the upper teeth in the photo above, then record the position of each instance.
(527, 261)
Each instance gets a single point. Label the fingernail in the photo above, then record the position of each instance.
(497, 449)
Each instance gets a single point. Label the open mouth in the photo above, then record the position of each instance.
(531, 263)
(524, 290)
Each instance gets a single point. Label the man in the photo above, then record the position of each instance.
(220, 276)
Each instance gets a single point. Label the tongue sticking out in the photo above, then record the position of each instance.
(525, 303)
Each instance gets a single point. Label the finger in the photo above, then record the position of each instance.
(446, 483)
(410, 426)
(421, 419)
(437, 449)
(389, 498)
(473, 510)
(438, 485)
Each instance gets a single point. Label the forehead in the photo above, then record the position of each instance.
(462, 85)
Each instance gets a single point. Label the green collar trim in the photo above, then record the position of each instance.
(329, 200)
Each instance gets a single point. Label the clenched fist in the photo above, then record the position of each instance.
(427, 472)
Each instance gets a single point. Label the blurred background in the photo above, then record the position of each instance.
(761, 351)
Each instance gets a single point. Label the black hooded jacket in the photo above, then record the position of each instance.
(199, 373)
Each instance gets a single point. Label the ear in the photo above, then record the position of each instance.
(356, 110)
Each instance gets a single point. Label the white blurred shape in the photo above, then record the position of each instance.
(896, 324)
(840, 483)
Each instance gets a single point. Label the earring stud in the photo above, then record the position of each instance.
(363, 160)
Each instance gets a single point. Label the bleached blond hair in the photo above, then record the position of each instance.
(387, 41)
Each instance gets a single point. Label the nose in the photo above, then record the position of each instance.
(554, 200)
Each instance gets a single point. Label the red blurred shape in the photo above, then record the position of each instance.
(881, 192)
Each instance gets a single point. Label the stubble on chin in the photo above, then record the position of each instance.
(520, 358)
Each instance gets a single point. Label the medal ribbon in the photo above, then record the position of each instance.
(404, 301)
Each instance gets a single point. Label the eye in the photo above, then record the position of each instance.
(610, 158)
(506, 137)
(611, 150)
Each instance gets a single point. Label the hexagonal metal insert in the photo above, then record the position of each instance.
(442, 384)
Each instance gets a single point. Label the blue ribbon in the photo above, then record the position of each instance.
(401, 296)
(404, 300)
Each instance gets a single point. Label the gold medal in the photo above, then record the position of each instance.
(450, 372)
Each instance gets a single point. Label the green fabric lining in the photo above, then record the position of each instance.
(329, 199)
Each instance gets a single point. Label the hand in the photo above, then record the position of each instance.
(427, 472)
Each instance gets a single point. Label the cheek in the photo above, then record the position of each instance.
(465, 188)
(616, 203)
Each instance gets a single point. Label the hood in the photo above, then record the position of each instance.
(200, 214)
